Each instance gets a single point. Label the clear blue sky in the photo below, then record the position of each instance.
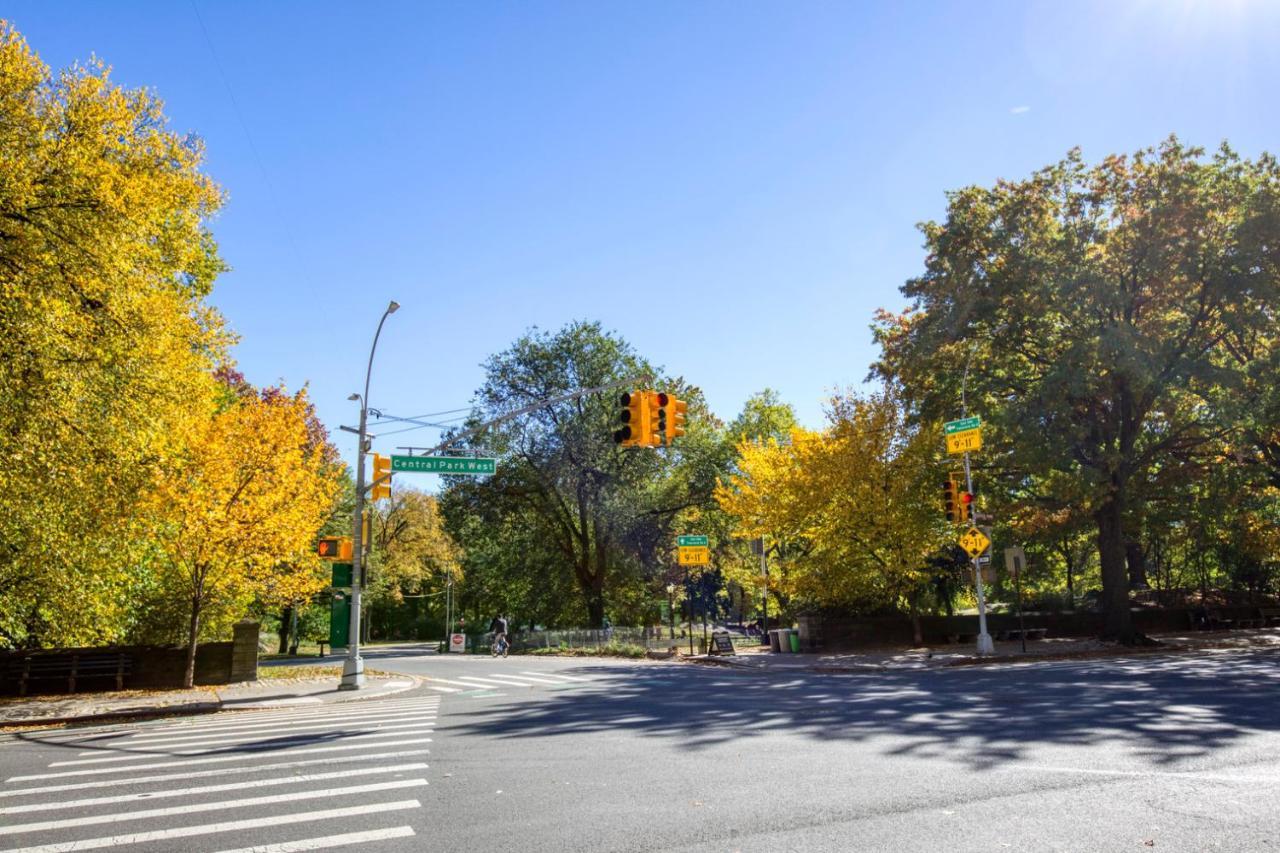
(731, 186)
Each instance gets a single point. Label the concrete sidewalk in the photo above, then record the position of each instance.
(1063, 648)
(249, 695)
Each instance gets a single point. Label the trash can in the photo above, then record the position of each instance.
(794, 636)
(775, 643)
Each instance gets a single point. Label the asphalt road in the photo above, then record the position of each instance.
(1164, 753)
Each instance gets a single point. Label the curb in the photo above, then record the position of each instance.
(191, 709)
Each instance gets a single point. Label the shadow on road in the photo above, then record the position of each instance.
(1162, 709)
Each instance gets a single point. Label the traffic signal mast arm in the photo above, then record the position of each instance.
(524, 410)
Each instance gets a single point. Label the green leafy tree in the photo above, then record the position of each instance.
(1096, 309)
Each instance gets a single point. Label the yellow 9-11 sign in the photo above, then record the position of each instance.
(695, 556)
(964, 442)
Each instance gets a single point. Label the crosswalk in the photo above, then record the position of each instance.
(503, 680)
(317, 778)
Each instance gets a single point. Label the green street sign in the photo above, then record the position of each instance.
(962, 425)
(444, 464)
(693, 541)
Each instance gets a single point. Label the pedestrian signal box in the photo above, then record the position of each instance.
(333, 548)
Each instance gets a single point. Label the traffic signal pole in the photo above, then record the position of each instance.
(353, 666)
(985, 645)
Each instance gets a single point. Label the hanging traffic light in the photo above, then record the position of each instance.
(658, 417)
(333, 548)
(950, 502)
(676, 414)
(633, 415)
(381, 483)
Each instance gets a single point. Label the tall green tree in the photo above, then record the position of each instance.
(1098, 311)
(603, 512)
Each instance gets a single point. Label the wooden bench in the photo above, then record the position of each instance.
(49, 667)
(1268, 616)
(322, 644)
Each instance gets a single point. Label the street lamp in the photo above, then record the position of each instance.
(353, 666)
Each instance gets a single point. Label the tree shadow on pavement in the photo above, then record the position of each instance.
(1165, 710)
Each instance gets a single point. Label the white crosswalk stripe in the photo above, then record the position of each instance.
(504, 679)
(250, 774)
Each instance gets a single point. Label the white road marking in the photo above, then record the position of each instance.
(212, 828)
(558, 675)
(461, 683)
(246, 748)
(204, 774)
(513, 680)
(238, 785)
(399, 721)
(442, 688)
(328, 841)
(187, 762)
(218, 805)
(1189, 775)
(469, 681)
(541, 679)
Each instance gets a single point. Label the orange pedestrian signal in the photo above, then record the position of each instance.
(333, 548)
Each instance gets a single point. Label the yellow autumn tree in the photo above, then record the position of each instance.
(859, 496)
(237, 508)
(105, 341)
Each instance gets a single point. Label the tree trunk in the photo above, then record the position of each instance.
(189, 678)
(1118, 623)
(285, 623)
(1136, 559)
(917, 631)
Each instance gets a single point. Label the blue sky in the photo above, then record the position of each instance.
(731, 186)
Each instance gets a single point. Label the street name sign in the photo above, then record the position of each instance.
(962, 425)
(444, 464)
(693, 541)
(695, 556)
(974, 541)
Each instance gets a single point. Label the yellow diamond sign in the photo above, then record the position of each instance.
(974, 541)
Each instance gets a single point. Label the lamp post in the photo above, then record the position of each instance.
(353, 666)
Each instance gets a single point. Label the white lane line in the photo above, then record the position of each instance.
(476, 682)
(324, 842)
(441, 688)
(537, 678)
(457, 680)
(218, 805)
(238, 785)
(251, 746)
(186, 762)
(257, 732)
(205, 774)
(558, 675)
(227, 719)
(513, 680)
(212, 828)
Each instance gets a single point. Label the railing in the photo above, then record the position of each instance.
(656, 639)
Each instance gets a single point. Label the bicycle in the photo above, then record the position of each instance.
(500, 646)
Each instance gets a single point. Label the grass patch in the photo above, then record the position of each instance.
(608, 650)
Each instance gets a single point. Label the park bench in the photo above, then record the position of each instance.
(321, 643)
(77, 665)
(1268, 616)
(1213, 621)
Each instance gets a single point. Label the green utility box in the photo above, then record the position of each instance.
(341, 575)
(340, 619)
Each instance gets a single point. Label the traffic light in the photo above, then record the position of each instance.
(658, 417)
(333, 548)
(965, 506)
(381, 483)
(950, 502)
(676, 412)
(633, 414)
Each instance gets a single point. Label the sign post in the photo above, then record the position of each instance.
(963, 436)
(1014, 560)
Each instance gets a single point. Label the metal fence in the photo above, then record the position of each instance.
(656, 639)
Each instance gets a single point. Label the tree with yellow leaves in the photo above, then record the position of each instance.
(862, 497)
(237, 507)
(105, 341)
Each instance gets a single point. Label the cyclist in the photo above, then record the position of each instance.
(499, 628)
